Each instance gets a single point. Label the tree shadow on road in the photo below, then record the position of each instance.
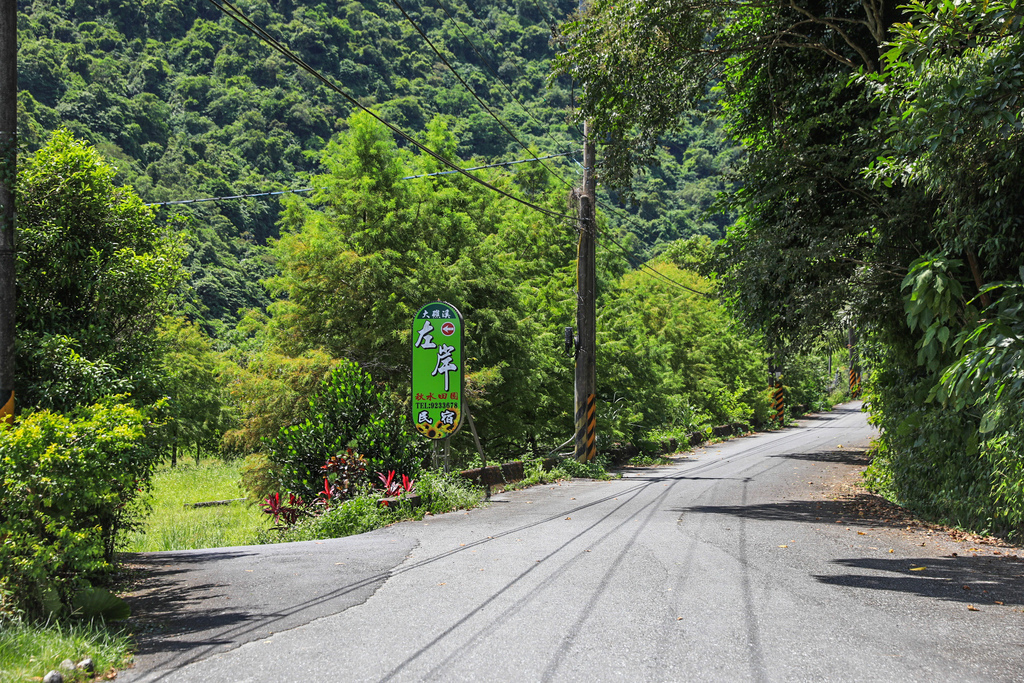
(858, 457)
(163, 601)
(976, 581)
(862, 509)
(972, 579)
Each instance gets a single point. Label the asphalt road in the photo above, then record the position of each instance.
(735, 564)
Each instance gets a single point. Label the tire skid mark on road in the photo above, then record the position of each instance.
(652, 507)
(555, 574)
(809, 438)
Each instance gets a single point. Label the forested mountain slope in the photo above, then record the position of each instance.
(187, 104)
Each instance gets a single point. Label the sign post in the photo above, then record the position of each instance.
(437, 374)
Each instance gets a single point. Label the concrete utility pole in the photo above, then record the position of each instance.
(586, 309)
(8, 177)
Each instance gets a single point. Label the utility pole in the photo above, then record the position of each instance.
(8, 178)
(586, 309)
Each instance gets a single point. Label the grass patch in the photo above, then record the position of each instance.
(567, 468)
(175, 525)
(28, 652)
(648, 460)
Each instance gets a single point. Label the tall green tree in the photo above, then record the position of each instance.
(196, 409)
(368, 249)
(96, 275)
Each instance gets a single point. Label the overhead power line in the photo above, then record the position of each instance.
(478, 168)
(233, 196)
(490, 67)
(472, 92)
(629, 256)
(243, 20)
(645, 266)
(310, 189)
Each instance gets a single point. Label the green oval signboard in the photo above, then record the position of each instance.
(437, 370)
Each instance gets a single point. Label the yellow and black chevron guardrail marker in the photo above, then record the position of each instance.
(7, 411)
(779, 402)
(586, 429)
(854, 383)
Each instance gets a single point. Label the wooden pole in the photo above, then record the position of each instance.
(586, 311)
(8, 179)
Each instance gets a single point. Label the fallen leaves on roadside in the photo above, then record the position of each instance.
(918, 569)
(973, 608)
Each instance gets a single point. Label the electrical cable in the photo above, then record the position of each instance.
(310, 189)
(243, 20)
(234, 196)
(472, 92)
(643, 265)
(652, 271)
(477, 168)
(490, 67)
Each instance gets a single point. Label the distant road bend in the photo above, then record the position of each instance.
(735, 564)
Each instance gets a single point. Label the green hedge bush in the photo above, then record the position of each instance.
(68, 485)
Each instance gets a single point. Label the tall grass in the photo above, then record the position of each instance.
(28, 652)
(175, 525)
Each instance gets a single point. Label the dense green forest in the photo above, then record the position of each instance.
(186, 104)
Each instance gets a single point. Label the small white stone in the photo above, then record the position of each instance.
(87, 665)
(53, 677)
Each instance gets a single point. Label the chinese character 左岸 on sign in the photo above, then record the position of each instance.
(437, 370)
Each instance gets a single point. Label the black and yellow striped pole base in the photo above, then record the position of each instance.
(854, 383)
(586, 430)
(7, 411)
(779, 403)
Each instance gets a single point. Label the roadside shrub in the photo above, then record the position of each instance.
(595, 469)
(69, 484)
(348, 411)
(355, 516)
(807, 380)
(260, 477)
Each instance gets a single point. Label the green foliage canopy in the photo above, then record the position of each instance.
(95, 276)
